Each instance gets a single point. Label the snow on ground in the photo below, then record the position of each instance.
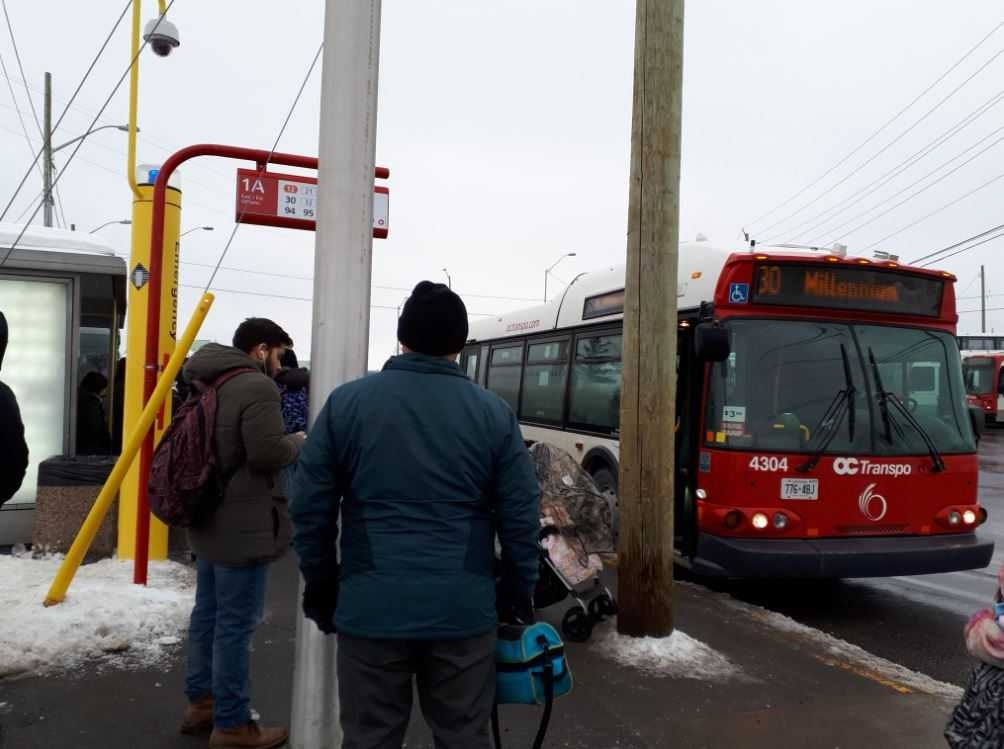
(841, 650)
(679, 656)
(104, 617)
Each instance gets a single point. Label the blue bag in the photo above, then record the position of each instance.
(531, 669)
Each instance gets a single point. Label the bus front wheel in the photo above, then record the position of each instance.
(606, 481)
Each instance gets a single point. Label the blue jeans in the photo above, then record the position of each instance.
(229, 604)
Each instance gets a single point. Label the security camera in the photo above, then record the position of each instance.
(162, 36)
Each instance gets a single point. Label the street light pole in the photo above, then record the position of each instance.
(343, 264)
(123, 128)
(47, 151)
(196, 228)
(449, 278)
(124, 222)
(548, 271)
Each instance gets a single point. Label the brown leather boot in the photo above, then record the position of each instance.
(249, 736)
(198, 717)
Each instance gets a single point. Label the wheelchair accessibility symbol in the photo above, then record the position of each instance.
(739, 293)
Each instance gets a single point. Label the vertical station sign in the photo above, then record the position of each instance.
(290, 201)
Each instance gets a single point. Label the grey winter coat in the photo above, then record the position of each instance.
(252, 524)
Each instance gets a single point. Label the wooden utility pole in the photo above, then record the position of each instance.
(648, 400)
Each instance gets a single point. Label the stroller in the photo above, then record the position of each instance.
(577, 525)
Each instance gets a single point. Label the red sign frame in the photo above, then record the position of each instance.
(258, 198)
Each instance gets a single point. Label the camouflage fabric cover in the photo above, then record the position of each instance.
(571, 502)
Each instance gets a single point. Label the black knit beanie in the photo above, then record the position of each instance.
(434, 321)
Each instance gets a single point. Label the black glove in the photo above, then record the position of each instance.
(512, 607)
(320, 599)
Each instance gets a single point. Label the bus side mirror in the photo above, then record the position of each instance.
(711, 343)
(978, 421)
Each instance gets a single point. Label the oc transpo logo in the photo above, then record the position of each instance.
(846, 466)
(873, 506)
(855, 466)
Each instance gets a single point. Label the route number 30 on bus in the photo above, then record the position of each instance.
(849, 288)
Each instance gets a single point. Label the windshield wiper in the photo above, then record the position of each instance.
(885, 398)
(833, 417)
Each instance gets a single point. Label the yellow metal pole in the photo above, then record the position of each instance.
(142, 214)
(67, 570)
(133, 101)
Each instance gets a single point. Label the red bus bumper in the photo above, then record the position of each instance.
(885, 556)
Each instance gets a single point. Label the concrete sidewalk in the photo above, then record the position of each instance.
(789, 689)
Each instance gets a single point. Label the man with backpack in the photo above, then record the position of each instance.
(248, 530)
(424, 467)
(13, 448)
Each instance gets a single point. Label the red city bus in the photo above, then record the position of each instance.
(985, 384)
(822, 423)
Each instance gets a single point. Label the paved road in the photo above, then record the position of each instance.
(915, 621)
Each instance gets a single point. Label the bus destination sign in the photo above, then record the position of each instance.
(290, 200)
(848, 288)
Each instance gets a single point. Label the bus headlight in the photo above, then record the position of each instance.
(759, 521)
(954, 517)
(780, 521)
(733, 519)
(968, 517)
(701, 494)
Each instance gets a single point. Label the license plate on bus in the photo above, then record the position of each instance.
(799, 488)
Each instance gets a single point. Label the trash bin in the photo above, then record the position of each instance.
(67, 488)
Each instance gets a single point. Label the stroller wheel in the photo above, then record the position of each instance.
(602, 607)
(608, 605)
(577, 625)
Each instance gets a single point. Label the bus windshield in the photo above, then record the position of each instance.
(979, 376)
(780, 388)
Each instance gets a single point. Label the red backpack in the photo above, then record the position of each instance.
(186, 484)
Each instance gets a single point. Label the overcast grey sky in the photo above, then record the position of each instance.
(506, 128)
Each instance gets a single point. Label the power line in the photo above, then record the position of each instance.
(891, 143)
(263, 167)
(881, 181)
(31, 101)
(270, 274)
(270, 295)
(83, 80)
(957, 244)
(881, 129)
(906, 200)
(933, 213)
(80, 143)
(20, 115)
(964, 249)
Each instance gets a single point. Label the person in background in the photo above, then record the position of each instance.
(249, 530)
(93, 437)
(13, 448)
(423, 467)
(118, 404)
(294, 392)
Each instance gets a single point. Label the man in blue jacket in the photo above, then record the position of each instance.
(424, 468)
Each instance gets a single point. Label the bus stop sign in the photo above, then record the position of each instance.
(290, 201)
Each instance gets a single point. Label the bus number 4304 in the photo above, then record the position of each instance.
(765, 463)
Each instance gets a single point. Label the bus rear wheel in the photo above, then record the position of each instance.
(606, 481)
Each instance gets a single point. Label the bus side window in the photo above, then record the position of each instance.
(504, 373)
(544, 381)
(469, 363)
(596, 383)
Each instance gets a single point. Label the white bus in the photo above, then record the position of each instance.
(581, 419)
(800, 376)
